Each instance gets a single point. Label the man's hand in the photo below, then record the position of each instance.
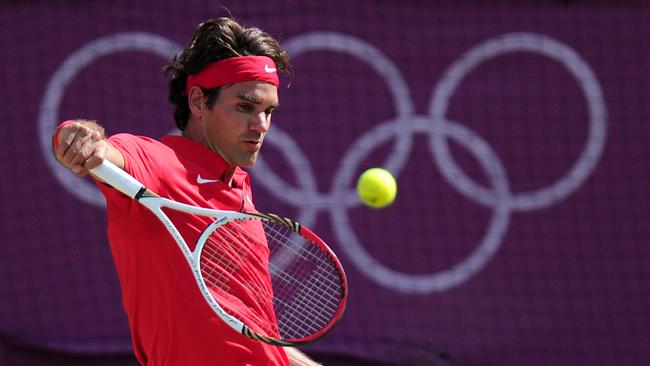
(80, 145)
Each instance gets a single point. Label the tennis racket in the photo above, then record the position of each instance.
(305, 292)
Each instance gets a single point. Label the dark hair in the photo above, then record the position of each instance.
(214, 40)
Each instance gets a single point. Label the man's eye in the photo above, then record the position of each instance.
(245, 107)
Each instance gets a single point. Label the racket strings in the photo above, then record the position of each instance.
(286, 281)
(216, 268)
(298, 248)
(305, 298)
(306, 283)
(232, 270)
(295, 322)
(303, 293)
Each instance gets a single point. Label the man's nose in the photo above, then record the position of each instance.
(260, 122)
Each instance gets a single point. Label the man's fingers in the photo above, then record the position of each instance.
(81, 148)
(65, 136)
(97, 156)
(70, 138)
(92, 151)
(80, 145)
(75, 145)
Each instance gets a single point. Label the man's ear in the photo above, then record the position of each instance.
(196, 101)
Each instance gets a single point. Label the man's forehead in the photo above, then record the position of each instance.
(254, 92)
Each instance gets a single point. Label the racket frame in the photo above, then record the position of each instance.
(119, 179)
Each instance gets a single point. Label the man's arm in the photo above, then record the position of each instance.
(81, 145)
(297, 358)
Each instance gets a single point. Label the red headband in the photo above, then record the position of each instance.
(235, 70)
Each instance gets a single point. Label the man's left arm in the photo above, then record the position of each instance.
(297, 358)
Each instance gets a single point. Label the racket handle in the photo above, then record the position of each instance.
(110, 174)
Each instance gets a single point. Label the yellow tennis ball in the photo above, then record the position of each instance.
(377, 187)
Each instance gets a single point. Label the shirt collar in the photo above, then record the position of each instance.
(204, 157)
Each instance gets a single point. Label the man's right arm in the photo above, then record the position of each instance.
(81, 145)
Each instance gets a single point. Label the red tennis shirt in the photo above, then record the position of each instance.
(170, 322)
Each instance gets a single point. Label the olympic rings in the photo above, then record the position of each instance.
(402, 128)
(517, 42)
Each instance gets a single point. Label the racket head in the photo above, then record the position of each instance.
(273, 275)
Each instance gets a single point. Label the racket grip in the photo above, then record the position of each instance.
(110, 174)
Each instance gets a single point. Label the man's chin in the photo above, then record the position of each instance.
(248, 163)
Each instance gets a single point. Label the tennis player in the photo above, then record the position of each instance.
(224, 88)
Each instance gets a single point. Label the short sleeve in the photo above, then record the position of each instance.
(143, 157)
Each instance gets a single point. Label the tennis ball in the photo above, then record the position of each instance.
(377, 187)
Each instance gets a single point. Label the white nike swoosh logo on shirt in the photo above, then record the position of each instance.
(269, 69)
(201, 180)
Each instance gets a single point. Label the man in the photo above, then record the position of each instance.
(224, 88)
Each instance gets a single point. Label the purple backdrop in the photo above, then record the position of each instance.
(518, 134)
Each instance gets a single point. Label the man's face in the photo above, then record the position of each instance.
(237, 123)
